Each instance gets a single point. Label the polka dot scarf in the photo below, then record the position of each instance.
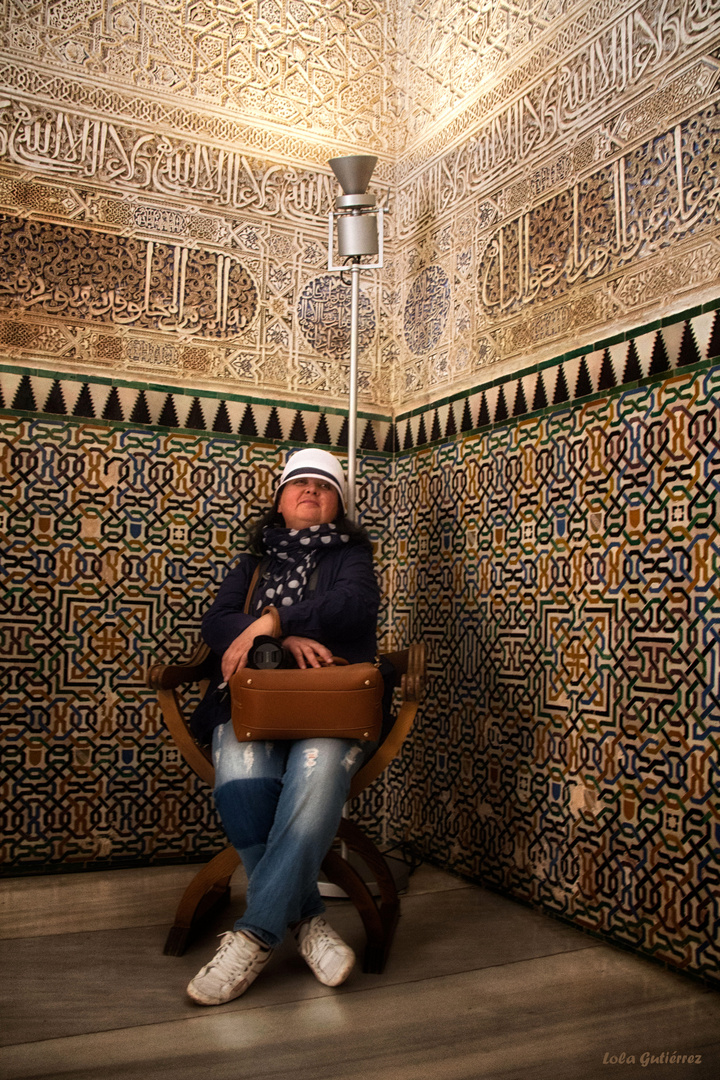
(293, 555)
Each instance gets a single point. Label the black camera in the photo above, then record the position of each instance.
(269, 653)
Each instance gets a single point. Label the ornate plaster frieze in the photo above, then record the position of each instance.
(635, 236)
(450, 54)
(135, 287)
(574, 69)
(35, 90)
(43, 140)
(180, 257)
(552, 120)
(320, 68)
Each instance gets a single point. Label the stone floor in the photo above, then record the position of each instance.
(476, 987)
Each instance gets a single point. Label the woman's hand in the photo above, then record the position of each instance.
(236, 654)
(308, 653)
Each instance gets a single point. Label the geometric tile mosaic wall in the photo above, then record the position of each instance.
(564, 569)
(114, 539)
(559, 560)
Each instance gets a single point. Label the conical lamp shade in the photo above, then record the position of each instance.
(353, 172)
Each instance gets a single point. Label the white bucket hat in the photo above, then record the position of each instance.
(317, 463)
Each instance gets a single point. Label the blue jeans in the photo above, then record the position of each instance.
(280, 804)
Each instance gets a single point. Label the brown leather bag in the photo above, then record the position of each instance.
(342, 701)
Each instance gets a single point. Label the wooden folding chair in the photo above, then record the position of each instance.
(210, 887)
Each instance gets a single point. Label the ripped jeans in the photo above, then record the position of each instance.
(280, 804)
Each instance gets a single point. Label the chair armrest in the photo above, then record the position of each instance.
(198, 757)
(410, 664)
(170, 676)
(413, 681)
(165, 679)
(399, 660)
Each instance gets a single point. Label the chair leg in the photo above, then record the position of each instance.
(208, 890)
(380, 920)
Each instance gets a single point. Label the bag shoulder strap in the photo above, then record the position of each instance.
(259, 569)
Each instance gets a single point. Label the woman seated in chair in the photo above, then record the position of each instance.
(280, 803)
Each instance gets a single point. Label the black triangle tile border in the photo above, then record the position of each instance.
(82, 399)
(652, 352)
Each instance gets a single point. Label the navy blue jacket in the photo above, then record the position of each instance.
(341, 613)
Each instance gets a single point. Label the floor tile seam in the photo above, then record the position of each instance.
(436, 892)
(405, 897)
(165, 923)
(74, 933)
(98, 930)
(488, 967)
(662, 1005)
(209, 1011)
(442, 889)
(162, 922)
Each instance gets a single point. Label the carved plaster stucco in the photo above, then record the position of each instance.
(352, 70)
(586, 200)
(550, 169)
(323, 67)
(450, 54)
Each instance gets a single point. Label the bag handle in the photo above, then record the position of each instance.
(337, 661)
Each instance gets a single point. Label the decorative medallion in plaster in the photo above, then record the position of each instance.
(324, 316)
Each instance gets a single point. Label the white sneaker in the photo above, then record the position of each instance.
(327, 955)
(235, 965)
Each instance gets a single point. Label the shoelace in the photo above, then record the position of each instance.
(227, 940)
(320, 938)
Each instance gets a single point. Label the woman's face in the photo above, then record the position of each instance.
(308, 501)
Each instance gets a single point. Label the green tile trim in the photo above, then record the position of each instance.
(543, 365)
(566, 406)
(363, 415)
(181, 432)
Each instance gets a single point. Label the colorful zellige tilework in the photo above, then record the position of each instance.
(563, 567)
(565, 573)
(115, 541)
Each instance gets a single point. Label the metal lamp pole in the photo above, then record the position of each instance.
(359, 233)
(352, 402)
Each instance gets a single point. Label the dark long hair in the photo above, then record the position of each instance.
(255, 526)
